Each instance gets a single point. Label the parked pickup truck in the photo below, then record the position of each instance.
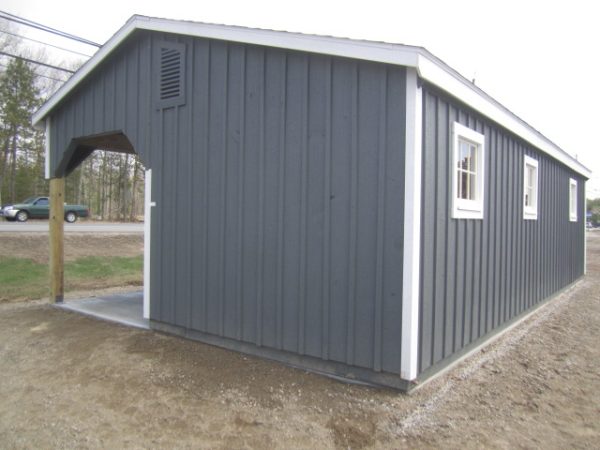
(39, 208)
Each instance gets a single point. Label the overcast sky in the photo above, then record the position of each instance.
(540, 59)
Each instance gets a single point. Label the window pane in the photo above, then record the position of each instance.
(467, 156)
(467, 170)
(472, 187)
(530, 176)
(473, 158)
(463, 185)
(463, 155)
(530, 187)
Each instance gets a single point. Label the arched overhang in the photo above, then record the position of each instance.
(80, 148)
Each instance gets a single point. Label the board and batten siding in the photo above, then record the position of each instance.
(279, 190)
(477, 275)
(113, 99)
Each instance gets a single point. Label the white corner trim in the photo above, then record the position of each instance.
(148, 204)
(412, 228)
(47, 149)
(530, 213)
(584, 231)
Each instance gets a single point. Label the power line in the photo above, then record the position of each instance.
(39, 26)
(44, 43)
(32, 61)
(39, 75)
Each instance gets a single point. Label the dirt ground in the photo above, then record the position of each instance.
(35, 246)
(68, 381)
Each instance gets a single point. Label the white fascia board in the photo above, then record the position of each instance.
(412, 229)
(364, 50)
(429, 67)
(440, 75)
(83, 71)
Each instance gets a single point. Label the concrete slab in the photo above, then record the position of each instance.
(126, 308)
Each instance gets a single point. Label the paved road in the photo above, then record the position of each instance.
(41, 226)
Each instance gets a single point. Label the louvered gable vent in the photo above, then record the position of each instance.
(170, 74)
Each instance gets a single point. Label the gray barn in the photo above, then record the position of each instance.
(350, 207)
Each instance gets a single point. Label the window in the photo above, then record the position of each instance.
(572, 200)
(468, 173)
(530, 188)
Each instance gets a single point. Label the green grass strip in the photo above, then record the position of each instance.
(97, 267)
(25, 279)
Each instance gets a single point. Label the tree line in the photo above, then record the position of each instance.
(110, 184)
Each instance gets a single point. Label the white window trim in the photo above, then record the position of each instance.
(461, 208)
(572, 207)
(530, 212)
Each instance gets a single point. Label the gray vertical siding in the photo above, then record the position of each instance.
(478, 274)
(279, 189)
(113, 99)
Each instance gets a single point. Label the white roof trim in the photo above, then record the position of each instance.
(428, 66)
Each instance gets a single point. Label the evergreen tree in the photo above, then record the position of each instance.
(111, 184)
(20, 142)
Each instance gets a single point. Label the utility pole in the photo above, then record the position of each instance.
(57, 213)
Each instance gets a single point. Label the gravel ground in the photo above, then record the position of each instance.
(68, 381)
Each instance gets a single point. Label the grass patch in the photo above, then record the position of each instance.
(102, 267)
(24, 279)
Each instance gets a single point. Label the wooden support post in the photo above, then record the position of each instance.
(57, 213)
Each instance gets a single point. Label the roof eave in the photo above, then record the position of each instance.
(377, 52)
(428, 66)
(83, 71)
(443, 76)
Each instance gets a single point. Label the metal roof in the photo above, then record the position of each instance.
(428, 66)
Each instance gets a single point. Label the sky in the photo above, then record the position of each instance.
(540, 59)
